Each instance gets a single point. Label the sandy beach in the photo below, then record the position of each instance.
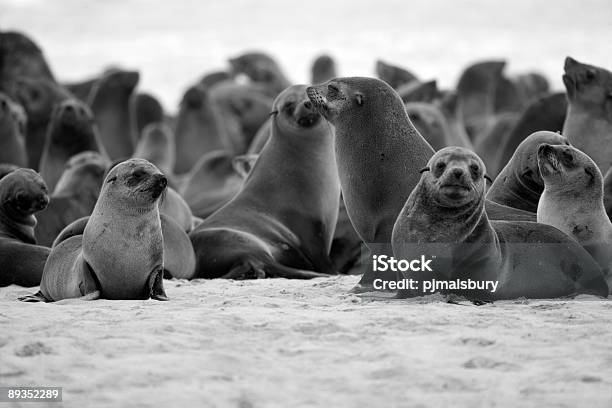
(280, 343)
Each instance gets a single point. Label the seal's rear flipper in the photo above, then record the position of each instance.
(36, 297)
(156, 285)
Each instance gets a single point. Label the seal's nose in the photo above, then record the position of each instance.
(544, 148)
(457, 173)
(308, 105)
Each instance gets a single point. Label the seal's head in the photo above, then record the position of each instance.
(115, 84)
(587, 84)
(294, 112)
(454, 177)
(248, 102)
(524, 161)
(566, 170)
(83, 172)
(259, 67)
(70, 120)
(354, 99)
(23, 193)
(323, 69)
(38, 96)
(134, 184)
(393, 75)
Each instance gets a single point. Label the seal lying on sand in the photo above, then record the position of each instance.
(22, 194)
(281, 223)
(445, 216)
(120, 254)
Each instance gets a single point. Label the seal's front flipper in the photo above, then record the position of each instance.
(156, 285)
(36, 297)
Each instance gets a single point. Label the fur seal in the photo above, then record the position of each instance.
(476, 92)
(213, 78)
(519, 184)
(379, 155)
(157, 145)
(212, 183)
(432, 125)
(323, 69)
(74, 196)
(175, 207)
(572, 201)
(22, 194)
(262, 69)
(487, 143)
(245, 108)
(120, 254)
(199, 128)
(71, 131)
(588, 125)
(147, 109)
(20, 56)
(607, 192)
(417, 91)
(543, 113)
(12, 132)
(281, 224)
(393, 75)
(38, 97)
(110, 103)
(445, 215)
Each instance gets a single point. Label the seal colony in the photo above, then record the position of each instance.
(256, 177)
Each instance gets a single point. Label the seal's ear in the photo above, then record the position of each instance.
(359, 99)
(423, 170)
(244, 164)
(591, 173)
(486, 176)
(274, 112)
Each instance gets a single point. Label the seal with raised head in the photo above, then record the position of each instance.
(572, 200)
(74, 196)
(282, 221)
(519, 184)
(199, 128)
(588, 125)
(20, 56)
(22, 194)
(110, 103)
(71, 131)
(445, 217)
(262, 69)
(12, 132)
(120, 254)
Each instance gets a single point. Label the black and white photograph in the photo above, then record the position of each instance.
(323, 203)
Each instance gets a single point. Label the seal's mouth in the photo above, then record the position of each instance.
(29, 204)
(455, 191)
(309, 120)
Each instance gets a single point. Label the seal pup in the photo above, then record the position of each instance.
(12, 132)
(38, 96)
(22, 194)
(120, 254)
(157, 145)
(71, 130)
(588, 125)
(281, 223)
(519, 184)
(323, 69)
(445, 216)
(74, 196)
(261, 69)
(199, 128)
(110, 103)
(572, 200)
(393, 75)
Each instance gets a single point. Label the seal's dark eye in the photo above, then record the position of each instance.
(139, 174)
(474, 168)
(567, 157)
(440, 166)
(289, 108)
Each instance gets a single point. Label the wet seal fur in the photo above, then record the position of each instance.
(120, 254)
(282, 221)
(22, 194)
(447, 209)
(572, 201)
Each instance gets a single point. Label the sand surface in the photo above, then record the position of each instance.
(279, 343)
